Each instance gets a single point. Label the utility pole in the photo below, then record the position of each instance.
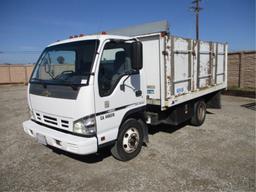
(196, 8)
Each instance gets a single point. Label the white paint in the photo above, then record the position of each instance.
(155, 77)
(66, 142)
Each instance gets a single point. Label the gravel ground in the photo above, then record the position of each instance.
(218, 156)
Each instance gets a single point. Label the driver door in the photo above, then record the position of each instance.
(116, 92)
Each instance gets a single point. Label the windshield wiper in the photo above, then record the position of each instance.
(74, 86)
(40, 81)
(44, 84)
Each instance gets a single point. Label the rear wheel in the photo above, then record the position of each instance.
(129, 141)
(199, 113)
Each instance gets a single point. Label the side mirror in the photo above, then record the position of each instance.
(137, 61)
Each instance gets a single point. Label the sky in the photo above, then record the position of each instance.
(27, 26)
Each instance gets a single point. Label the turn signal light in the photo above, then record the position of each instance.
(163, 34)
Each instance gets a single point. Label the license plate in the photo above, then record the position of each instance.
(41, 139)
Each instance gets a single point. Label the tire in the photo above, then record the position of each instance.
(129, 141)
(199, 113)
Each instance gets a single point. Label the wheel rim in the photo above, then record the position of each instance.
(201, 112)
(131, 140)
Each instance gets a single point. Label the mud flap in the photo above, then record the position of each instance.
(145, 131)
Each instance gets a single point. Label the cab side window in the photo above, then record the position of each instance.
(115, 62)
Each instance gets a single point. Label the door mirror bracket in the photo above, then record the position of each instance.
(122, 86)
(128, 73)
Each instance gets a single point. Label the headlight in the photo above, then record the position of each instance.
(85, 126)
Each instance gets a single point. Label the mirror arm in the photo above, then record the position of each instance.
(122, 86)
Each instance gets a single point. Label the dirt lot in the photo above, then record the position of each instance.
(218, 156)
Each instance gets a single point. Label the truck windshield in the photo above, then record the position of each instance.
(68, 63)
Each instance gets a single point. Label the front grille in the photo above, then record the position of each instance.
(53, 121)
(38, 116)
(64, 123)
(50, 120)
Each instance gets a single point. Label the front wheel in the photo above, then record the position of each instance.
(129, 141)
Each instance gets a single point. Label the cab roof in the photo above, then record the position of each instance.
(89, 37)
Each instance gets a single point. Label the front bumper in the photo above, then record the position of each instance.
(64, 141)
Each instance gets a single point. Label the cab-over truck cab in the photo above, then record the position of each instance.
(85, 92)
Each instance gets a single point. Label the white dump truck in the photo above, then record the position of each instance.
(90, 91)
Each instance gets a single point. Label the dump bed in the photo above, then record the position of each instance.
(178, 69)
